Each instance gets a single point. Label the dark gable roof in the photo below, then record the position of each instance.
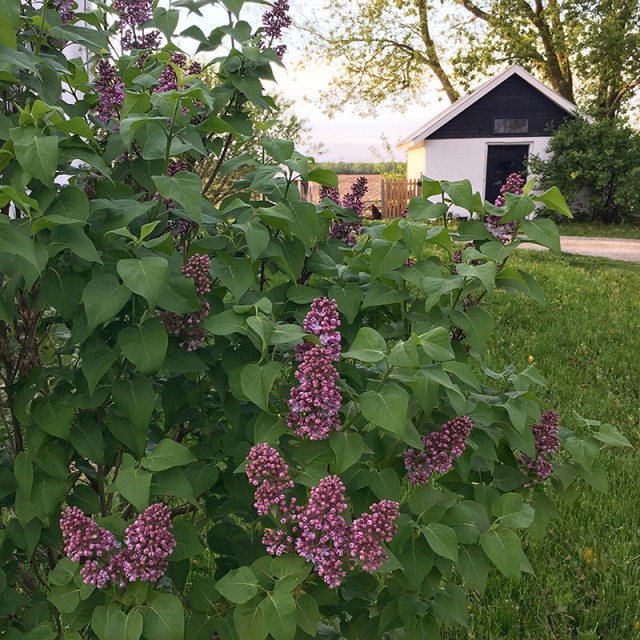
(504, 95)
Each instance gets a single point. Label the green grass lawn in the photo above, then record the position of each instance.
(586, 344)
(597, 230)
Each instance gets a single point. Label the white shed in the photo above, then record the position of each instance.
(489, 133)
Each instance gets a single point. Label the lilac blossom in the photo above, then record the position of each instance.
(370, 530)
(187, 326)
(348, 231)
(133, 14)
(315, 401)
(547, 442)
(149, 543)
(322, 531)
(269, 472)
(65, 9)
(504, 232)
(318, 531)
(273, 22)
(110, 91)
(439, 449)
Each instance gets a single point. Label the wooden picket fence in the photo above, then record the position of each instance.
(396, 195)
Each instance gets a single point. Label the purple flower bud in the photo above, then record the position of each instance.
(440, 447)
(547, 442)
(110, 91)
(370, 530)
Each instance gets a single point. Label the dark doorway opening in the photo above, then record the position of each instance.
(502, 160)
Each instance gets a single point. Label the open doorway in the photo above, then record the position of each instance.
(502, 160)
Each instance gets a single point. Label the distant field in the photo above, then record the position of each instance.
(586, 344)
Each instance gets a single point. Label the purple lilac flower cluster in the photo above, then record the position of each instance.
(504, 232)
(188, 326)
(274, 21)
(348, 231)
(65, 9)
(133, 14)
(440, 447)
(545, 434)
(315, 402)
(318, 531)
(370, 530)
(148, 543)
(110, 91)
(269, 472)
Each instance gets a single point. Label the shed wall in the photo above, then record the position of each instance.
(460, 159)
(415, 162)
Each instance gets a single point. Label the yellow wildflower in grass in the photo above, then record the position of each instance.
(588, 557)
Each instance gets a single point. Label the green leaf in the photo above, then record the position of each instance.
(134, 484)
(147, 276)
(348, 447)
(65, 598)
(511, 511)
(290, 571)
(145, 347)
(37, 155)
(250, 622)
(239, 585)
(387, 256)
(417, 560)
(460, 192)
(504, 549)
(256, 235)
(257, 380)
(348, 297)
(235, 274)
(542, 231)
(279, 609)
(485, 272)
(583, 451)
(75, 239)
(120, 626)
(185, 188)
(103, 298)
(86, 438)
(421, 209)
(188, 542)
(555, 201)
(442, 540)
(23, 472)
(203, 594)
(430, 504)
(477, 324)
(387, 408)
(163, 617)
(52, 417)
(166, 455)
(368, 346)
(97, 358)
(474, 567)
(166, 21)
(307, 614)
(324, 177)
(437, 344)
(414, 235)
(386, 485)
(516, 207)
(609, 435)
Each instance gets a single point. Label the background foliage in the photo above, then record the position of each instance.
(597, 167)
(147, 341)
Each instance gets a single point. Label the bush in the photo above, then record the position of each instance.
(596, 165)
(208, 413)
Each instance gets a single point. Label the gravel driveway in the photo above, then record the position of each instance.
(616, 248)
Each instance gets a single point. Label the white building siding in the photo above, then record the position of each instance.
(466, 158)
(416, 162)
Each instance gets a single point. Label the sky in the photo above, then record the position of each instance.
(346, 136)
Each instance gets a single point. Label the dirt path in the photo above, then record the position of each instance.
(615, 248)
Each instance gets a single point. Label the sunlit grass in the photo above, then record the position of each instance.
(597, 230)
(586, 344)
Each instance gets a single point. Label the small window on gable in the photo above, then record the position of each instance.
(510, 125)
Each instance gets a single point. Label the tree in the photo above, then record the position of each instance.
(587, 50)
(597, 167)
